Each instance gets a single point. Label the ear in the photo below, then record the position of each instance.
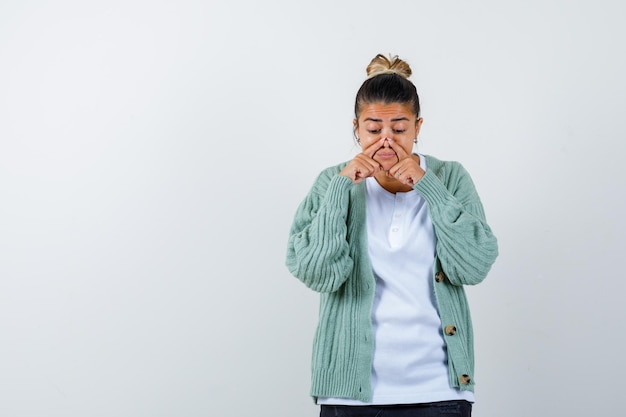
(355, 125)
(418, 125)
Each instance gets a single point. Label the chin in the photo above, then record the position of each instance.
(387, 164)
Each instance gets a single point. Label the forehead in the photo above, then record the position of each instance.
(386, 112)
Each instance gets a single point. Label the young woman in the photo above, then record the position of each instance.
(389, 239)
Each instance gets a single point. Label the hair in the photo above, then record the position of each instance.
(387, 83)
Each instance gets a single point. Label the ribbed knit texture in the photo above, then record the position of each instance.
(327, 251)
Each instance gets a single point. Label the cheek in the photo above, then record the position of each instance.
(406, 143)
(363, 134)
(366, 138)
(366, 142)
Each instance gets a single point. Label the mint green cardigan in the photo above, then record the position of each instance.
(327, 251)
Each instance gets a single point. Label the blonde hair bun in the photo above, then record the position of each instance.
(392, 65)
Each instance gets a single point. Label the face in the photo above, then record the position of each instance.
(395, 121)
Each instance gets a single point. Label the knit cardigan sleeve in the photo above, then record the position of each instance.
(466, 246)
(317, 249)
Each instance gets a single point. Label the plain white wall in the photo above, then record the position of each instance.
(152, 155)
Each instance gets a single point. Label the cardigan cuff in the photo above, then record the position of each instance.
(431, 188)
(337, 192)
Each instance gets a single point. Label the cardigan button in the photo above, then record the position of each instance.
(440, 276)
(465, 379)
(450, 330)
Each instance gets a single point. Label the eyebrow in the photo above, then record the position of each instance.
(397, 119)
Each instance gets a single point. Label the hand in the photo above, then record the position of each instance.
(407, 170)
(363, 165)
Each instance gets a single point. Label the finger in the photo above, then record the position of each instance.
(361, 172)
(403, 175)
(397, 170)
(359, 168)
(354, 172)
(368, 161)
(371, 150)
(407, 171)
(399, 150)
(368, 165)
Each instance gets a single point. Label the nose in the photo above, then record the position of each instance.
(386, 143)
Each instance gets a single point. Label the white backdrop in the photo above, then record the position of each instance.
(152, 155)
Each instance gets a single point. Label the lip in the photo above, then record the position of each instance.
(386, 155)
